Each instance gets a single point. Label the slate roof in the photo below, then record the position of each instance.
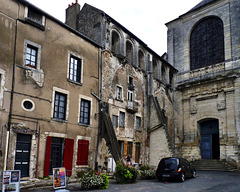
(198, 6)
(201, 4)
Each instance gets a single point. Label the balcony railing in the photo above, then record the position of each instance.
(132, 106)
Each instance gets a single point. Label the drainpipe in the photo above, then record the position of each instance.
(174, 128)
(100, 99)
(11, 97)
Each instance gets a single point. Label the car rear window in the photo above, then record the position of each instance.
(171, 164)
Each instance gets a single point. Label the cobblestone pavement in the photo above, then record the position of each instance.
(205, 181)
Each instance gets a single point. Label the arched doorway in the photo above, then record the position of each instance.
(210, 148)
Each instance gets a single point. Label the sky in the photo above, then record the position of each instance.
(145, 19)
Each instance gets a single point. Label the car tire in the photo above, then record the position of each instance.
(194, 174)
(182, 177)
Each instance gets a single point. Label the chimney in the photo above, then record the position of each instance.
(72, 13)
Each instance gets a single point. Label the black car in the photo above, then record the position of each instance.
(174, 168)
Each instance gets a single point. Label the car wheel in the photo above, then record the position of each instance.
(182, 177)
(194, 174)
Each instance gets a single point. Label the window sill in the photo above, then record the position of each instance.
(82, 166)
(59, 120)
(120, 100)
(84, 125)
(75, 82)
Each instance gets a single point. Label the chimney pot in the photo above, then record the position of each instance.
(76, 1)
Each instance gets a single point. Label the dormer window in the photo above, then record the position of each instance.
(35, 18)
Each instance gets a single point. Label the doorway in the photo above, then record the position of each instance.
(210, 147)
(22, 158)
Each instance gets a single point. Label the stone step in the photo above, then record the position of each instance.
(213, 165)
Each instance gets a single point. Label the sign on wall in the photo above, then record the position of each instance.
(59, 178)
(11, 181)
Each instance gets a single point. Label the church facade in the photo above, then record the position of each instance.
(204, 46)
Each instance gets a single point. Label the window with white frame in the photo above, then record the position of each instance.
(119, 93)
(138, 123)
(75, 69)
(60, 104)
(122, 119)
(130, 96)
(85, 112)
(32, 54)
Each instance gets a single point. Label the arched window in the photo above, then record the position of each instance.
(129, 51)
(207, 43)
(141, 60)
(115, 42)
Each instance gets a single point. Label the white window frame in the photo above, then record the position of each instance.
(63, 91)
(70, 53)
(118, 92)
(91, 109)
(130, 96)
(38, 47)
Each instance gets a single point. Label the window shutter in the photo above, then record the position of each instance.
(82, 156)
(47, 156)
(125, 148)
(68, 155)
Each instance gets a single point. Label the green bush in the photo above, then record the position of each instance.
(105, 183)
(125, 174)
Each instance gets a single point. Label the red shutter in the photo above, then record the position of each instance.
(47, 156)
(68, 156)
(82, 156)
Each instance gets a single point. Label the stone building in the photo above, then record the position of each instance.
(49, 76)
(204, 46)
(136, 87)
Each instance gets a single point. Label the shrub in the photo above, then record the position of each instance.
(125, 174)
(92, 180)
(145, 172)
(105, 183)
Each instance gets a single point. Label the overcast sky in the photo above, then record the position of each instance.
(145, 19)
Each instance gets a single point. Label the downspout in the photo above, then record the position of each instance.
(174, 128)
(100, 99)
(11, 97)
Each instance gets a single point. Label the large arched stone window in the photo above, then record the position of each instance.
(129, 51)
(115, 42)
(207, 43)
